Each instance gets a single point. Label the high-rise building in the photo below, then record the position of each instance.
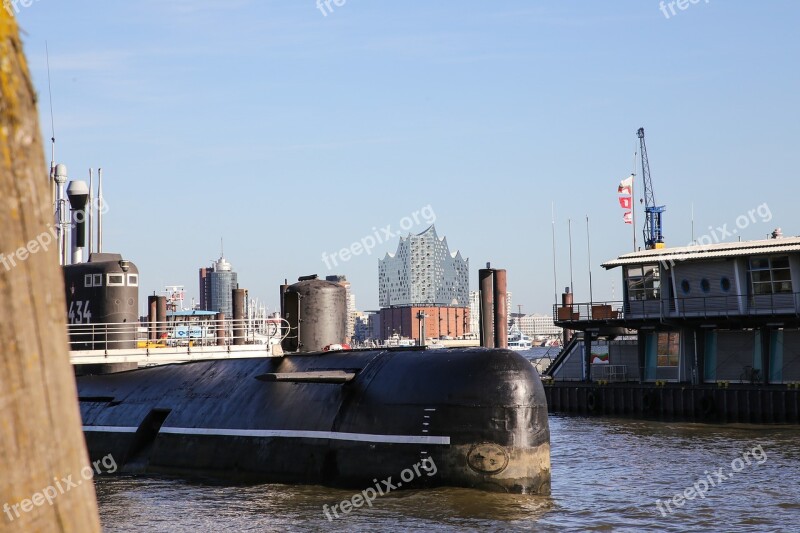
(423, 272)
(367, 326)
(537, 325)
(474, 312)
(216, 287)
(350, 300)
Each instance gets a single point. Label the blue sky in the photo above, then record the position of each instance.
(292, 134)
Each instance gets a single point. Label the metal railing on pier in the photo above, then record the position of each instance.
(695, 307)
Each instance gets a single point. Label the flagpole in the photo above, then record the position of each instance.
(633, 213)
(571, 285)
(633, 200)
(555, 280)
(589, 253)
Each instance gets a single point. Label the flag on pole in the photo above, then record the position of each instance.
(625, 186)
(625, 202)
(627, 217)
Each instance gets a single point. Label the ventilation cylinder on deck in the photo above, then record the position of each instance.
(317, 314)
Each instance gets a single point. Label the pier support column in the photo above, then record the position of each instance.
(766, 336)
(641, 345)
(700, 355)
(587, 356)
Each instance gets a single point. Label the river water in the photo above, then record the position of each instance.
(607, 475)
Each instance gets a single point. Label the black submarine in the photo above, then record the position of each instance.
(336, 418)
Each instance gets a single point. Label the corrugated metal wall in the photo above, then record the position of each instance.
(625, 353)
(714, 300)
(790, 368)
(735, 351)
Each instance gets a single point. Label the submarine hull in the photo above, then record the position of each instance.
(470, 417)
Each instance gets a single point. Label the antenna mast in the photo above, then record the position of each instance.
(52, 127)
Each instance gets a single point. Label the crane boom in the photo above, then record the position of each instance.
(653, 230)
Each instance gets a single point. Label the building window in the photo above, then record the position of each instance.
(770, 275)
(725, 285)
(644, 283)
(705, 286)
(669, 349)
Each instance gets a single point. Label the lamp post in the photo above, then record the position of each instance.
(421, 316)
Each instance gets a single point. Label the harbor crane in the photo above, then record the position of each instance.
(653, 230)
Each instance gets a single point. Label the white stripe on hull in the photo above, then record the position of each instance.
(285, 433)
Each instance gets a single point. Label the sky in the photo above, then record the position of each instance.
(293, 131)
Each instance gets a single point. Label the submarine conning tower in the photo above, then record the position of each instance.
(102, 294)
(103, 290)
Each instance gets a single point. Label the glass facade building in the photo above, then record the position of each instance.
(423, 272)
(216, 287)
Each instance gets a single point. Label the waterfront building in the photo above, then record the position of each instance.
(701, 314)
(713, 335)
(423, 271)
(424, 281)
(439, 321)
(216, 286)
(538, 325)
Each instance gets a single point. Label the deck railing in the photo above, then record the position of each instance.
(735, 305)
(173, 339)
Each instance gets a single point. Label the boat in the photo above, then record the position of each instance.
(517, 340)
(342, 419)
(395, 341)
(309, 410)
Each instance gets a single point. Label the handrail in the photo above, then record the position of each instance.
(731, 305)
(193, 334)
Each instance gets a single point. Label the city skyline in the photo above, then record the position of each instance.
(295, 135)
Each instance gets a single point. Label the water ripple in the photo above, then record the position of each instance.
(607, 476)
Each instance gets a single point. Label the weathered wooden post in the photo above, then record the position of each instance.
(43, 462)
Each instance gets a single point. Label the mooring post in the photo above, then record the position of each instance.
(41, 440)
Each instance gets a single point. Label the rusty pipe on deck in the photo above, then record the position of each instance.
(500, 309)
(239, 330)
(486, 286)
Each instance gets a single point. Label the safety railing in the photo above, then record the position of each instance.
(165, 340)
(735, 305)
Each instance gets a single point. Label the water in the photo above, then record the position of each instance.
(607, 475)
